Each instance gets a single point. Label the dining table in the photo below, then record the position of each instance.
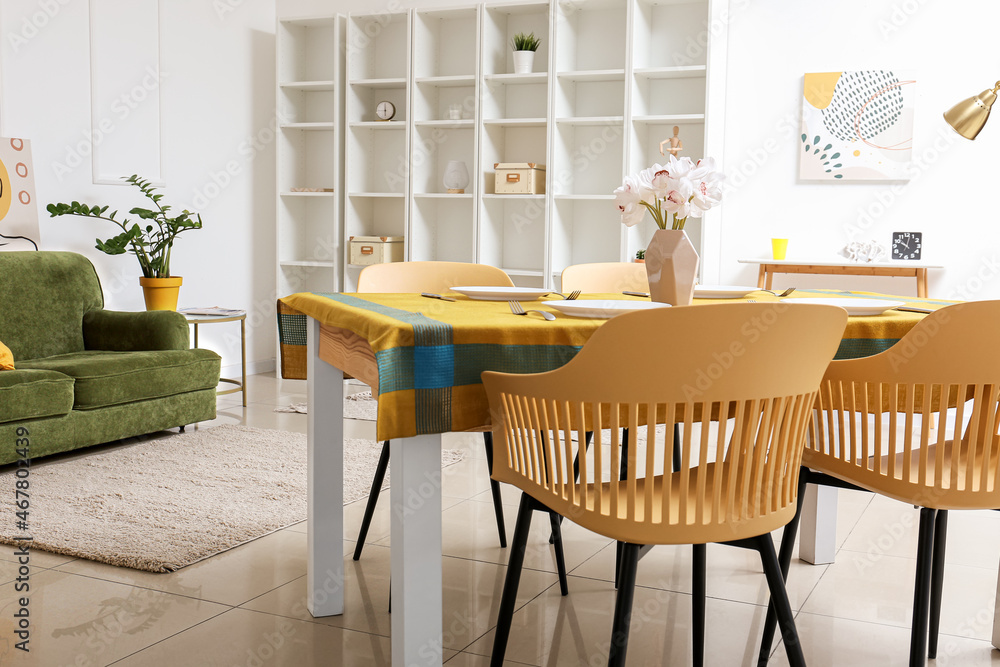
(423, 358)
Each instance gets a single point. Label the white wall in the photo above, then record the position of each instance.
(953, 55)
(218, 93)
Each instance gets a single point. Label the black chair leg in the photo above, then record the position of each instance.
(560, 557)
(699, 585)
(366, 522)
(181, 428)
(921, 588)
(495, 488)
(623, 606)
(779, 599)
(505, 616)
(784, 562)
(622, 474)
(937, 581)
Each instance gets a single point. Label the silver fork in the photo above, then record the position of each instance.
(518, 309)
(785, 293)
(751, 301)
(575, 294)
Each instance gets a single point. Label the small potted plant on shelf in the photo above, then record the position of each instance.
(640, 256)
(524, 51)
(151, 242)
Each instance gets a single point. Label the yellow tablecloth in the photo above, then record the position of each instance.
(430, 353)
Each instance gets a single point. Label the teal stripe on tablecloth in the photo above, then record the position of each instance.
(398, 366)
(854, 348)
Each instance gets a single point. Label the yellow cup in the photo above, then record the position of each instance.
(778, 248)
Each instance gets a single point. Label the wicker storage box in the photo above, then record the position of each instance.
(366, 250)
(519, 178)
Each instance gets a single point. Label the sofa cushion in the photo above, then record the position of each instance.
(31, 394)
(45, 296)
(111, 378)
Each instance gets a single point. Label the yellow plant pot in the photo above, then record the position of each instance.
(161, 293)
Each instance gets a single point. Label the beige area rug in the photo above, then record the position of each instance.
(169, 502)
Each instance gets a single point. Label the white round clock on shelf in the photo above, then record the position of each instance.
(385, 110)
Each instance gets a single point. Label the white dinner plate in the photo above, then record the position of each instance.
(501, 293)
(722, 291)
(602, 308)
(857, 307)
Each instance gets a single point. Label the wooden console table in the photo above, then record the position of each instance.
(903, 269)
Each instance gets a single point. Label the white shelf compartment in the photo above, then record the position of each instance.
(512, 234)
(309, 263)
(306, 159)
(432, 148)
(310, 234)
(378, 47)
(669, 34)
(515, 98)
(592, 75)
(387, 83)
(442, 228)
(510, 143)
(379, 159)
(306, 49)
(296, 277)
(593, 155)
(501, 22)
(668, 96)
(585, 231)
(375, 216)
(589, 97)
(592, 35)
(446, 43)
(363, 100)
(306, 105)
(447, 81)
(644, 149)
(431, 101)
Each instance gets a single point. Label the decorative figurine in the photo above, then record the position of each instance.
(676, 145)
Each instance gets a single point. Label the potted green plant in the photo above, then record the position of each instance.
(150, 242)
(640, 256)
(524, 51)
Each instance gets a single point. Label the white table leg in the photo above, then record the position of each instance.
(818, 527)
(415, 497)
(325, 573)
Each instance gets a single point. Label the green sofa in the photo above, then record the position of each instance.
(84, 375)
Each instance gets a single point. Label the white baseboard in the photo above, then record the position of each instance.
(253, 368)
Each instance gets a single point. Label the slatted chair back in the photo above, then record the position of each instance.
(872, 424)
(605, 277)
(762, 363)
(404, 277)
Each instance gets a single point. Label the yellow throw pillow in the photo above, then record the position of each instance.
(6, 358)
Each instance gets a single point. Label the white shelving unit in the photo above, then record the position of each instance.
(610, 81)
(377, 152)
(309, 103)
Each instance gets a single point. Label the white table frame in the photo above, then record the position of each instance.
(415, 524)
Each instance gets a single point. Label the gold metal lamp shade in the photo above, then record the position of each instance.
(969, 116)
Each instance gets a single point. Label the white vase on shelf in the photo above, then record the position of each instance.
(456, 177)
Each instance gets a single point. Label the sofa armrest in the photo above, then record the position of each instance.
(132, 332)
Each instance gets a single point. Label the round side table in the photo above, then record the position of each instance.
(241, 317)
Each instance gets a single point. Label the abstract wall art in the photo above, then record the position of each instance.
(18, 209)
(856, 126)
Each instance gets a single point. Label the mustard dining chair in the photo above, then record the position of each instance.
(872, 430)
(601, 277)
(405, 277)
(737, 478)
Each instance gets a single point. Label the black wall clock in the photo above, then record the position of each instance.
(907, 245)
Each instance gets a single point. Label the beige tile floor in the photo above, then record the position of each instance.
(247, 606)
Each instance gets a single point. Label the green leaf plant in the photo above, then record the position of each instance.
(150, 240)
(522, 42)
